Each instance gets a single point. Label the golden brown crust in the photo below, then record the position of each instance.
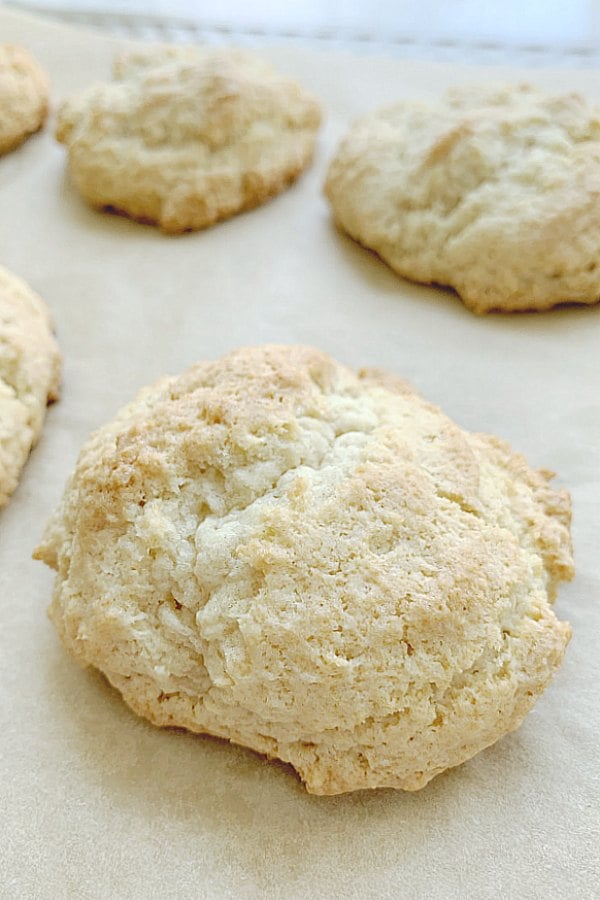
(183, 137)
(24, 91)
(319, 566)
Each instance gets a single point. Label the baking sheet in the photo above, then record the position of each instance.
(95, 803)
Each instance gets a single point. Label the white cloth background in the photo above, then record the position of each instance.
(537, 32)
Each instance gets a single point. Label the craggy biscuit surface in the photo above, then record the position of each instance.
(315, 564)
(493, 191)
(184, 137)
(24, 93)
(29, 375)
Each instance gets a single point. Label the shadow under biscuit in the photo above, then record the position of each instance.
(378, 274)
(254, 813)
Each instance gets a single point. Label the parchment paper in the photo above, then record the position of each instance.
(96, 803)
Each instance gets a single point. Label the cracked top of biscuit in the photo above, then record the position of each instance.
(29, 375)
(490, 190)
(313, 563)
(183, 137)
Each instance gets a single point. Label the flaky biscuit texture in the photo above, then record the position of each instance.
(24, 91)
(493, 191)
(29, 375)
(184, 137)
(312, 563)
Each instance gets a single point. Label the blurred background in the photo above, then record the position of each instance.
(530, 32)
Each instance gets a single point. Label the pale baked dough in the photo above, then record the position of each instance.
(315, 564)
(493, 191)
(29, 375)
(24, 90)
(184, 137)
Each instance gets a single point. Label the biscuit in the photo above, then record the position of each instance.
(312, 563)
(492, 191)
(24, 91)
(29, 375)
(184, 137)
